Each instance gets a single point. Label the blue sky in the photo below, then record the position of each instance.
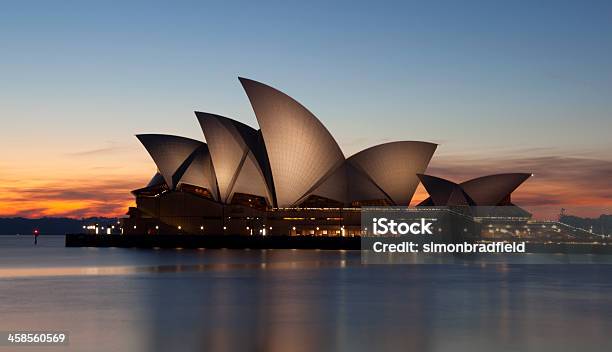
(482, 78)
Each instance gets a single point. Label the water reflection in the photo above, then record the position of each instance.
(388, 308)
(121, 299)
(8, 273)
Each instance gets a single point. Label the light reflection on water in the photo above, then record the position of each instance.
(8, 273)
(137, 300)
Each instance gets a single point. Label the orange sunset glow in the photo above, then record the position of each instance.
(103, 188)
(50, 198)
(84, 184)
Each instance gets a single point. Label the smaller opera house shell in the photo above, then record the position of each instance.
(244, 179)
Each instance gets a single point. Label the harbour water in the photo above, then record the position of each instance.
(112, 299)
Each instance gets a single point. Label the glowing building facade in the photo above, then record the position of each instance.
(288, 177)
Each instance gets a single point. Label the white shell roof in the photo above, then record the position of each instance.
(169, 153)
(300, 149)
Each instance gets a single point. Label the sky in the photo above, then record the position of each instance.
(502, 86)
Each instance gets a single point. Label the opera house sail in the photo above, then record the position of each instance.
(301, 150)
(287, 176)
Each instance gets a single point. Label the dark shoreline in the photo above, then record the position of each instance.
(280, 242)
(212, 242)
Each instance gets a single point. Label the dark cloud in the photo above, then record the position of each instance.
(29, 213)
(100, 190)
(99, 151)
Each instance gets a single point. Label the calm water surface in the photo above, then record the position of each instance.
(112, 299)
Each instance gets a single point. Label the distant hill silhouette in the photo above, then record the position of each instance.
(600, 225)
(48, 226)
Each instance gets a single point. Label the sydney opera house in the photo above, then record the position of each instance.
(287, 177)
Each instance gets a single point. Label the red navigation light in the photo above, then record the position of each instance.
(36, 232)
